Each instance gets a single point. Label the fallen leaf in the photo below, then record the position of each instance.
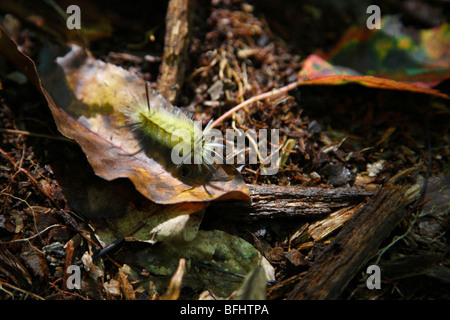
(396, 52)
(254, 286)
(173, 291)
(126, 286)
(317, 71)
(112, 287)
(209, 253)
(153, 224)
(87, 115)
(35, 260)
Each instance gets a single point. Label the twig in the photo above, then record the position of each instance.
(32, 134)
(35, 182)
(262, 96)
(34, 236)
(21, 290)
(24, 201)
(176, 44)
(197, 275)
(75, 294)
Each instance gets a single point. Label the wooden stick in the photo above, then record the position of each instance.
(262, 96)
(176, 43)
(273, 201)
(33, 134)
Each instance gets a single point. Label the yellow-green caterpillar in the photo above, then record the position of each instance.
(171, 128)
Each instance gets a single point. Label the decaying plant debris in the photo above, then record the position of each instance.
(329, 212)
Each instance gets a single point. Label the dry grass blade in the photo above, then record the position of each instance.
(173, 291)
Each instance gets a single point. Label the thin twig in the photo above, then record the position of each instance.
(34, 236)
(197, 275)
(33, 134)
(266, 95)
(30, 176)
(21, 290)
(75, 294)
(31, 208)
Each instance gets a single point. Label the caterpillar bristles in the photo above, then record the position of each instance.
(162, 123)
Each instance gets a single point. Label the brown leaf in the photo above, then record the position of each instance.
(317, 71)
(87, 115)
(126, 286)
(174, 289)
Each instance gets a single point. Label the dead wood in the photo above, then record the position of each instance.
(270, 201)
(355, 245)
(176, 42)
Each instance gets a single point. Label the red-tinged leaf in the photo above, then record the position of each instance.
(317, 71)
(396, 52)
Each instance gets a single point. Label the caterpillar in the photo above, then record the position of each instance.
(171, 128)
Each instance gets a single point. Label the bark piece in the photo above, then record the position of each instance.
(176, 43)
(355, 244)
(270, 201)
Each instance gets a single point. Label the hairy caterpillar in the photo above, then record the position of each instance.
(172, 129)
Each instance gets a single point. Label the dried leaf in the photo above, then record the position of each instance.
(112, 287)
(396, 52)
(154, 224)
(317, 71)
(173, 291)
(208, 253)
(87, 115)
(254, 286)
(35, 260)
(126, 286)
